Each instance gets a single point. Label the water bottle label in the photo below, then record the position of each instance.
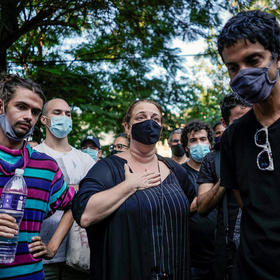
(13, 201)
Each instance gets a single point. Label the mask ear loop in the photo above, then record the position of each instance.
(272, 82)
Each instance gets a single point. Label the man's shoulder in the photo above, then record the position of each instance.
(210, 157)
(45, 160)
(241, 124)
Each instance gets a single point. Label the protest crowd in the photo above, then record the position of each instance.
(211, 211)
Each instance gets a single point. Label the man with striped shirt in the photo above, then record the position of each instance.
(21, 102)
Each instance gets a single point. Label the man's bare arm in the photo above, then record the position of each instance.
(39, 249)
(209, 195)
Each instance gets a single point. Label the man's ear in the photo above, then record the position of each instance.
(99, 154)
(1, 106)
(223, 123)
(43, 120)
(278, 62)
(127, 128)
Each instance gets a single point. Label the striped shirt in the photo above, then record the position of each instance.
(47, 192)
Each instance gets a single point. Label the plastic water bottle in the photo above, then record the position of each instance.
(12, 202)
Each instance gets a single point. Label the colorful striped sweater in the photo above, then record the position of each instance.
(47, 192)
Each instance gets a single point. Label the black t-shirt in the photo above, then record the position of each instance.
(202, 230)
(207, 174)
(223, 252)
(259, 256)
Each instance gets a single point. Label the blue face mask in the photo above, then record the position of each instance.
(93, 153)
(253, 84)
(146, 132)
(9, 132)
(199, 151)
(60, 126)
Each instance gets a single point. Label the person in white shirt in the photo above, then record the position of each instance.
(56, 117)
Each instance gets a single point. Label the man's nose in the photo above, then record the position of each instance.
(28, 115)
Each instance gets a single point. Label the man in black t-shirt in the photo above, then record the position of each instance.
(249, 45)
(196, 139)
(211, 194)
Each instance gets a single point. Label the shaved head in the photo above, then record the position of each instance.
(56, 102)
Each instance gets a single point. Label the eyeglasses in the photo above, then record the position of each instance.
(118, 147)
(175, 141)
(264, 158)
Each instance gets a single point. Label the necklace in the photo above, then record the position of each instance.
(141, 167)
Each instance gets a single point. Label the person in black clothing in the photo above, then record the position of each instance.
(211, 194)
(196, 139)
(174, 142)
(135, 207)
(219, 129)
(249, 45)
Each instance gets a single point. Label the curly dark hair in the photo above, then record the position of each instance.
(9, 84)
(255, 26)
(229, 102)
(196, 125)
(216, 124)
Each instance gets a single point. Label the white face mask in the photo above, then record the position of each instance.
(93, 153)
(61, 126)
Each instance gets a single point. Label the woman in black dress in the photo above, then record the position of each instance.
(135, 206)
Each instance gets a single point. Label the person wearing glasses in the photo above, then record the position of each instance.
(121, 144)
(174, 142)
(211, 195)
(249, 45)
(135, 206)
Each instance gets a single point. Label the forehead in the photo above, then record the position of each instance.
(145, 107)
(197, 134)
(176, 136)
(57, 104)
(120, 140)
(242, 49)
(219, 127)
(89, 143)
(27, 96)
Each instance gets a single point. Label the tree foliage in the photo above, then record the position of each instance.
(113, 48)
(206, 98)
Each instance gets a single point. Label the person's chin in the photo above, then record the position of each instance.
(20, 132)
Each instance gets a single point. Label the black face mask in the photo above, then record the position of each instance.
(113, 152)
(177, 150)
(146, 132)
(217, 139)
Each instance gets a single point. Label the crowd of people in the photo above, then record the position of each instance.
(210, 212)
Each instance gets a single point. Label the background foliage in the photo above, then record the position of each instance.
(99, 56)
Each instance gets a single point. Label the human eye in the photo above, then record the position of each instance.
(156, 119)
(36, 112)
(21, 106)
(140, 117)
(56, 112)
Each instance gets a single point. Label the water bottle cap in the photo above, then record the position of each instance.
(19, 171)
